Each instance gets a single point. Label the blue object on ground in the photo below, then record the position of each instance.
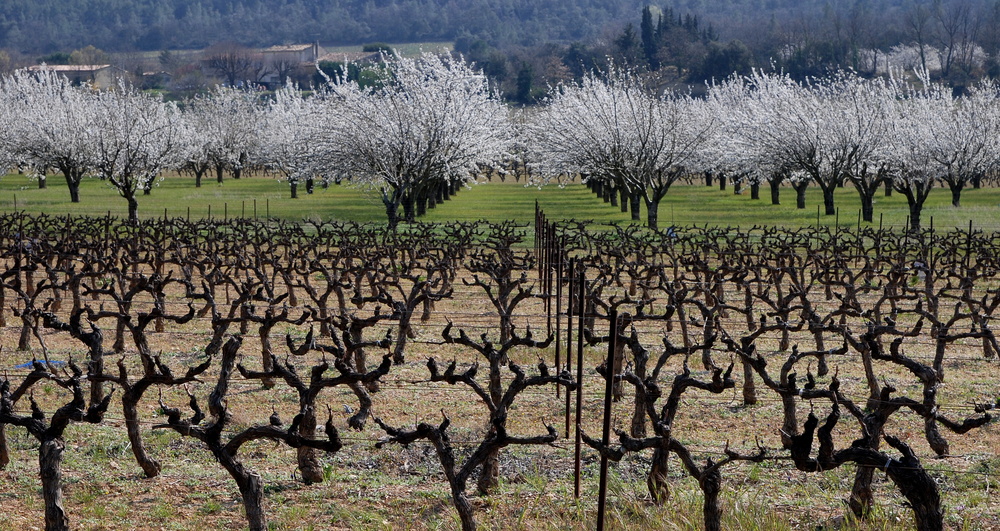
(31, 364)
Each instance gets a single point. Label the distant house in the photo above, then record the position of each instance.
(293, 53)
(101, 76)
(293, 60)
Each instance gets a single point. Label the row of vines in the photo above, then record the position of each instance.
(853, 332)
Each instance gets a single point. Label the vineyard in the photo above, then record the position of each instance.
(331, 374)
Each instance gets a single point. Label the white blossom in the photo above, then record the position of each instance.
(137, 136)
(435, 123)
(613, 129)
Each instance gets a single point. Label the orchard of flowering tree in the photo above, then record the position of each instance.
(434, 124)
(332, 360)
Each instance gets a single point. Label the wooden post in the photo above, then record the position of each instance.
(602, 495)
(558, 331)
(569, 336)
(581, 283)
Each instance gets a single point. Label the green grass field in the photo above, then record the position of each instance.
(494, 201)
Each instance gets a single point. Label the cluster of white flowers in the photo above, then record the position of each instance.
(866, 132)
(612, 129)
(768, 127)
(434, 122)
(125, 137)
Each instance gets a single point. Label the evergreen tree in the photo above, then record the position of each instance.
(649, 40)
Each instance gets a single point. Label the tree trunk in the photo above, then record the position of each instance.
(252, 490)
(119, 345)
(391, 210)
(652, 208)
(266, 351)
(657, 481)
(625, 196)
(888, 188)
(464, 508)
(49, 463)
(936, 442)
(956, 195)
(775, 192)
(409, 213)
(749, 389)
(789, 424)
(635, 200)
(133, 208)
(711, 484)
(867, 206)
(151, 467)
(294, 185)
(24, 341)
(800, 194)
(915, 208)
(4, 452)
(96, 367)
(862, 499)
(422, 205)
(755, 190)
(489, 476)
(309, 465)
(920, 490)
(722, 181)
(74, 189)
(310, 185)
(218, 173)
(708, 178)
(829, 208)
(638, 429)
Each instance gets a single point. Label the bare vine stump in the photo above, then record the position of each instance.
(150, 467)
(308, 463)
(711, 484)
(749, 389)
(657, 481)
(4, 453)
(49, 462)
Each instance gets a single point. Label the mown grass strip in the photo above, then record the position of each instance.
(494, 201)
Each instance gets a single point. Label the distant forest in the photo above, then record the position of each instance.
(525, 46)
(45, 26)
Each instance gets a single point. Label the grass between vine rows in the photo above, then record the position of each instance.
(403, 488)
(495, 201)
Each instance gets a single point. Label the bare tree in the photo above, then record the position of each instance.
(232, 62)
